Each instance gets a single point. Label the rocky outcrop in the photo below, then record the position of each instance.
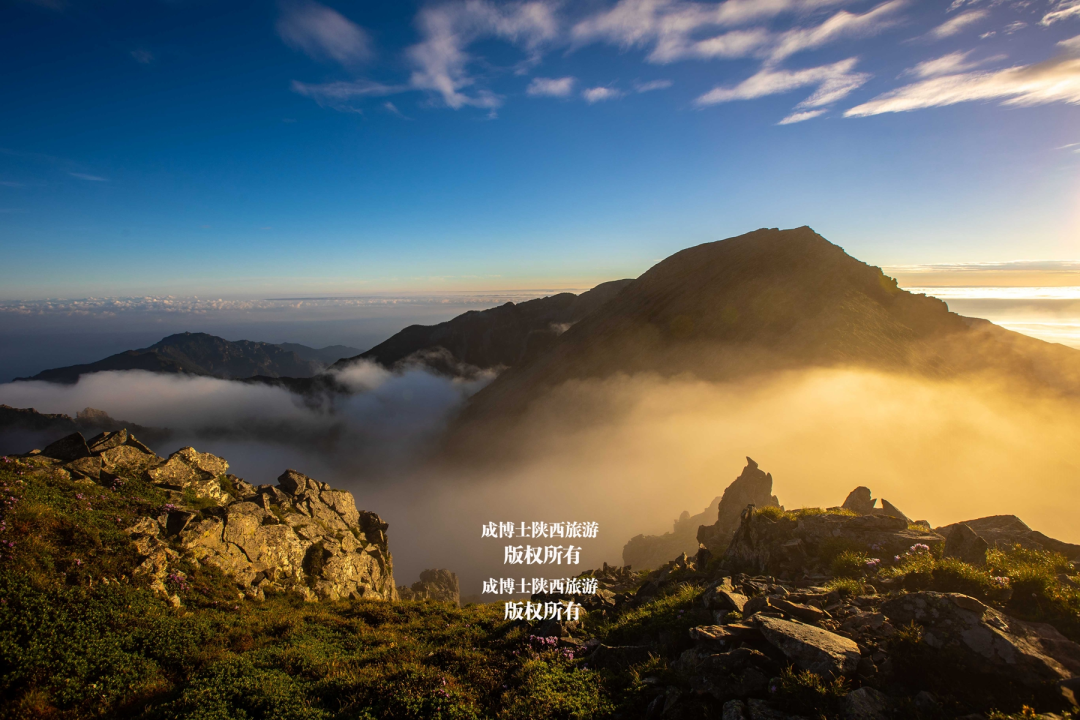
(986, 641)
(799, 543)
(861, 502)
(1005, 531)
(965, 544)
(298, 535)
(647, 552)
(752, 487)
(437, 585)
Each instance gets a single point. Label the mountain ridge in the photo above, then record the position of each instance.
(207, 355)
(768, 300)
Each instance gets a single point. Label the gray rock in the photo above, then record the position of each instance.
(964, 544)
(752, 487)
(67, 448)
(811, 648)
(860, 501)
(302, 536)
(887, 508)
(989, 642)
(107, 440)
(1004, 531)
(734, 710)
(791, 546)
(866, 703)
(927, 706)
(760, 710)
(734, 674)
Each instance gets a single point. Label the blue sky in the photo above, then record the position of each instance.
(254, 149)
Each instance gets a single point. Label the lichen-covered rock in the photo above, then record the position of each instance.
(289, 538)
(301, 535)
(752, 487)
(188, 470)
(984, 640)
(811, 648)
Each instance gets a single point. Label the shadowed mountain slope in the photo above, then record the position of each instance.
(503, 336)
(769, 300)
(196, 354)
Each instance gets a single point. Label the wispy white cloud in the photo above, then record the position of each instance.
(672, 28)
(143, 57)
(833, 82)
(598, 94)
(441, 59)
(1063, 9)
(323, 33)
(797, 117)
(393, 110)
(643, 87)
(944, 65)
(550, 87)
(843, 24)
(337, 95)
(955, 25)
(1055, 80)
(91, 178)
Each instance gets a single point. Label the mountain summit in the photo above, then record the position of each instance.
(765, 301)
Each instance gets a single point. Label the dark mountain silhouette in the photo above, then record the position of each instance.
(503, 336)
(325, 356)
(768, 300)
(201, 354)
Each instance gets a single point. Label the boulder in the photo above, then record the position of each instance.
(811, 648)
(860, 501)
(965, 544)
(107, 440)
(1005, 531)
(866, 703)
(129, 459)
(737, 673)
(986, 641)
(67, 449)
(752, 487)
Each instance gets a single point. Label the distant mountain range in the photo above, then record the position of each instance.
(203, 354)
(761, 302)
(499, 337)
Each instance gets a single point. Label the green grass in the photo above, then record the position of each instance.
(845, 586)
(670, 615)
(850, 564)
(775, 513)
(81, 638)
(809, 694)
(1025, 583)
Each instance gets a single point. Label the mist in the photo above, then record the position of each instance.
(629, 452)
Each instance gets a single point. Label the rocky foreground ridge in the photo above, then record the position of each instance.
(853, 612)
(299, 535)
